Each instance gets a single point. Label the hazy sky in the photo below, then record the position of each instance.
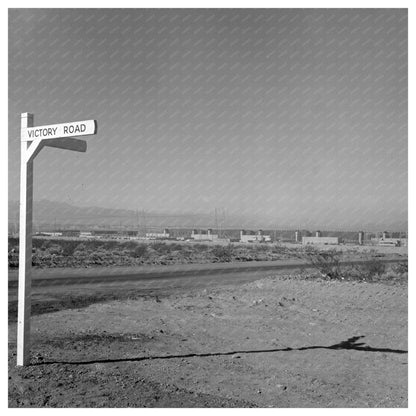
(295, 116)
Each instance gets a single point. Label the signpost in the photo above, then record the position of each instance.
(33, 139)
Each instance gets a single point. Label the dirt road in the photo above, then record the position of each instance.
(55, 289)
(63, 276)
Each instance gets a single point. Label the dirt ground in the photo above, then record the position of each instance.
(281, 341)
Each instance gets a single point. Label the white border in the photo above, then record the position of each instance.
(209, 4)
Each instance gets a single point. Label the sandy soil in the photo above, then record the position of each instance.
(276, 342)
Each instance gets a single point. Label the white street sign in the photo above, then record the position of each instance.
(56, 131)
(33, 140)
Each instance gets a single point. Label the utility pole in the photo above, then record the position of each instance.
(137, 222)
(216, 222)
(222, 222)
(144, 223)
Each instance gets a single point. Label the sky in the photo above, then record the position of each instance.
(295, 117)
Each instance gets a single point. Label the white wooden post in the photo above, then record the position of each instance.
(25, 248)
(33, 139)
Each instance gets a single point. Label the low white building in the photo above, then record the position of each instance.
(86, 234)
(202, 235)
(50, 234)
(158, 236)
(394, 242)
(320, 240)
(252, 237)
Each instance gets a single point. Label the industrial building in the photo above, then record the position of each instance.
(86, 234)
(49, 234)
(394, 242)
(204, 235)
(159, 236)
(320, 240)
(254, 237)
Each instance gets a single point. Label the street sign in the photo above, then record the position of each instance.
(56, 131)
(33, 140)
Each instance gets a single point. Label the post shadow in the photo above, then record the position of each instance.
(349, 344)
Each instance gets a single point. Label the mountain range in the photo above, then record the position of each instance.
(56, 215)
(52, 215)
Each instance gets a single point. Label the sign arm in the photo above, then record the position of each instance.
(68, 143)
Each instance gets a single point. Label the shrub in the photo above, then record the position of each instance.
(223, 253)
(400, 268)
(80, 249)
(372, 268)
(327, 262)
(55, 249)
(69, 247)
(130, 245)
(96, 257)
(261, 248)
(140, 251)
(161, 248)
(13, 242)
(45, 245)
(278, 249)
(13, 249)
(13, 260)
(199, 247)
(110, 245)
(176, 247)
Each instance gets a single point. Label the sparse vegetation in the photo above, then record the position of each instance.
(400, 269)
(327, 263)
(372, 268)
(84, 253)
(140, 251)
(223, 253)
(48, 253)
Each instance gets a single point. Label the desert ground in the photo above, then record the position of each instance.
(270, 339)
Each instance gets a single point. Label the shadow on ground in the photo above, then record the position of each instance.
(349, 344)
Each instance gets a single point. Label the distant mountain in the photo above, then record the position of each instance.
(56, 215)
(51, 215)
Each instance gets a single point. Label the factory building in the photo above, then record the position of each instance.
(320, 240)
(86, 234)
(393, 242)
(252, 237)
(158, 236)
(204, 235)
(49, 234)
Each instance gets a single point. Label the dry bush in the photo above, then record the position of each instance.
(223, 253)
(326, 262)
(400, 268)
(140, 251)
